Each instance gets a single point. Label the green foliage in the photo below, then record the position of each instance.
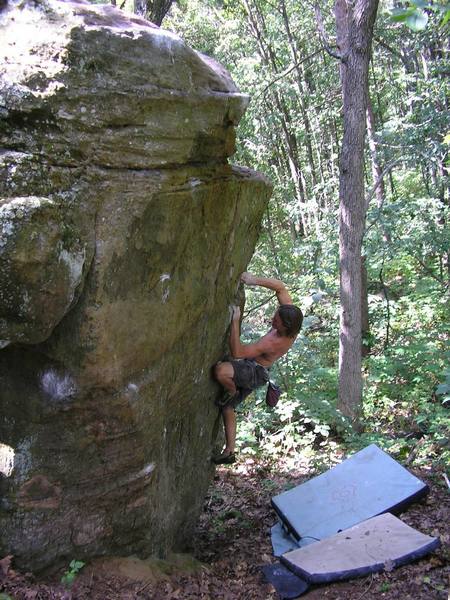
(70, 575)
(443, 389)
(415, 14)
(291, 131)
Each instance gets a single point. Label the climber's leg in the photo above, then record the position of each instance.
(224, 373)
(229, 423)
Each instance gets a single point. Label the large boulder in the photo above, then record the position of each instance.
(123, 231)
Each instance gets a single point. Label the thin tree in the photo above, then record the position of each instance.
(153, 10)
(354, 30)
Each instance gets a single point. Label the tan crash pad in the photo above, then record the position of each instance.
(373, 545)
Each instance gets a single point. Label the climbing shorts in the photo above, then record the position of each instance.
(248, 375)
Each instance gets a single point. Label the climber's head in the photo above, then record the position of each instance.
(290, 318)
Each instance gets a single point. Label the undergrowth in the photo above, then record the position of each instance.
(406, 397)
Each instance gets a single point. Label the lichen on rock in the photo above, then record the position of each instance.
(123, 234)
(41, 267)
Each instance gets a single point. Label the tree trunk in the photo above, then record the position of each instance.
(153, 10)
(157, 10)
(354, 27)
(302, 95)
(377, 170)
(268, 56)
(365, 327)
(376, 167)
(140, 8)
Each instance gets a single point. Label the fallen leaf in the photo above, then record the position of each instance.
(435, 561)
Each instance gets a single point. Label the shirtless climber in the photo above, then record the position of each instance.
(248, 368)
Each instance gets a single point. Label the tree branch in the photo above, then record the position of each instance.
(287, 71)
(254, 308)
(386, 46)
(428, 270)
(377, 183)
(323, 37)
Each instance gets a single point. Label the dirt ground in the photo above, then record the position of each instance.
(232, 542)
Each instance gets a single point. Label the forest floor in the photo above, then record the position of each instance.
(232, 542)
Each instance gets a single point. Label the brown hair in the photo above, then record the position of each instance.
(291, 317)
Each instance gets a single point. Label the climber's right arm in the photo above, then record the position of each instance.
(272, 284)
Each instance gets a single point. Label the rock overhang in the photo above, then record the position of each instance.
(98, 72)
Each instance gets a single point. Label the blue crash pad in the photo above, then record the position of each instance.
(283, 541)
(367, 484)
(287, 585)
(383, 542)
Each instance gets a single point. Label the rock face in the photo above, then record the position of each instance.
(123, 231)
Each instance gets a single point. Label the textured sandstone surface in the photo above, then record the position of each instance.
(123, 231)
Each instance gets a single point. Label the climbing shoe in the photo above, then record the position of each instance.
(226, 458)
